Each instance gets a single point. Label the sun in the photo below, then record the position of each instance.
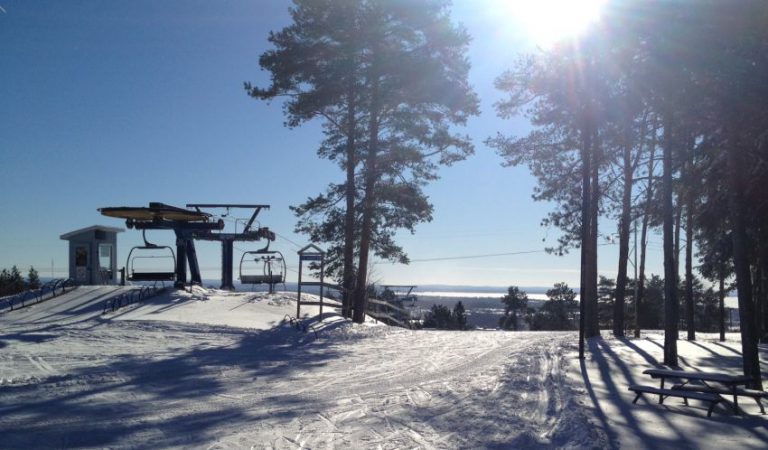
(546, 22)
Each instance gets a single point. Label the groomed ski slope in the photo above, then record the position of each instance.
(211, 369)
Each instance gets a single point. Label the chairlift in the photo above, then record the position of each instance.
(272, 264)
(404, 294)
(145, 255)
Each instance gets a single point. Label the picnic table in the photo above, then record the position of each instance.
(706, 386)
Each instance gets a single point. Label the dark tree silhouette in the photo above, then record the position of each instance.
(515, 302)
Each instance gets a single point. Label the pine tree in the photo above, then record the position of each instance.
(515, 302)
(389, 79)
(315, 66)
(439, 317)
(5, 282)
(33, 279)
(459, 316)
(557, 312)
(16, 281)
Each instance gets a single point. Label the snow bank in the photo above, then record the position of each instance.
(256, 311)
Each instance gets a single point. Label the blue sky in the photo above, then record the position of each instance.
(122, 103)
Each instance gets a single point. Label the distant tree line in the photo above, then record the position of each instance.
(708, 316)
(442, 318)
(12, 282)
(558, 312)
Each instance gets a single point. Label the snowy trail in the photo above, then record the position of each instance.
(219, 370)
(78, 305)
(212, 369)
(139, 383)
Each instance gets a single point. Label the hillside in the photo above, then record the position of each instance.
(212, 369)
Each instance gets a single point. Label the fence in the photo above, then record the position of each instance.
(47, 291)
(389, 313)
(130, 297)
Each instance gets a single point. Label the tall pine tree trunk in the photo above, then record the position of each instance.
(349, 215)
(644, 233)
(721, 277)
(670, 275)
(592, 324)
(678, 208)
(757, 288)
(762, 301)
(689, 304)
(641, 275)
(369, 202)
(751, 361)
(626, 209)
(586, 172)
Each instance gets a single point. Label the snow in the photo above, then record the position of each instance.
(217, 370)
(257, 310)
(614, 364)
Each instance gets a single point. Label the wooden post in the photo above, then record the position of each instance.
(298, 300)
(322, 269)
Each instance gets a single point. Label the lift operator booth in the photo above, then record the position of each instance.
(93, 254)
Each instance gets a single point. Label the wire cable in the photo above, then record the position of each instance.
(288, 240)
(490, 255)
(487, 255)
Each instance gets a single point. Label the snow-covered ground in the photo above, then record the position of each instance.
(212, 369)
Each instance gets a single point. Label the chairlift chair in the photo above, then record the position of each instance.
(273, 267)
(149, 251)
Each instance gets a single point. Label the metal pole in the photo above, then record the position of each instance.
(227, 255)
(269, 274)
(181, 261)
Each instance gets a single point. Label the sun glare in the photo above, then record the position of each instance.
(546, 22)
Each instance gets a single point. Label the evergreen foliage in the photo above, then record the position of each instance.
(442, 318)
(11, 281)
(515, 303)
(389, 80)
(652, 312)
(459, 316)
(688, 78)
(5, 281)
(559, 311)
(33, 279)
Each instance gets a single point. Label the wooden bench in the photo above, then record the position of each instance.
(685, 394)
(710, 382)
(754, 394)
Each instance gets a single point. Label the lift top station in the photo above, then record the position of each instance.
(188, 225)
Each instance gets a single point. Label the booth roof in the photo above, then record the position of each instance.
(71, 234)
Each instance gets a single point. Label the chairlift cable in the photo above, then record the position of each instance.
(288, 240)
(489, 255)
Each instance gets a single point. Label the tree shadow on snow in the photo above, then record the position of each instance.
(636, 416)
(159, 401)
(75, 307)
(609, 365)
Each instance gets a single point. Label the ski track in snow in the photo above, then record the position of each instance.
(97, 382)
